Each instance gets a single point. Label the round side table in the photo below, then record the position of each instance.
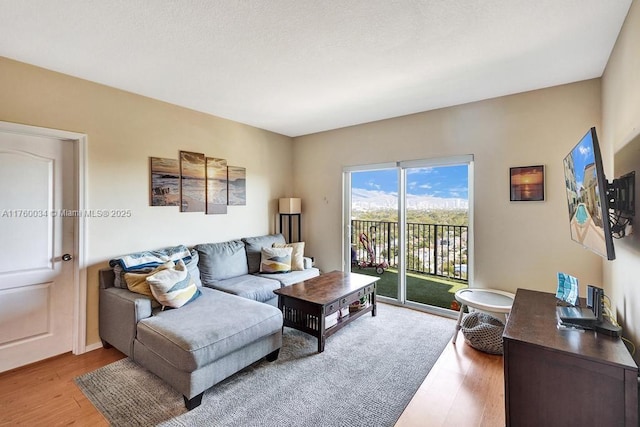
(491, 300)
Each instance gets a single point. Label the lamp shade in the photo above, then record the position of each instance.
(290, 205)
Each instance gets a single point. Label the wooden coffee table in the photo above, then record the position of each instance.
(306, 305)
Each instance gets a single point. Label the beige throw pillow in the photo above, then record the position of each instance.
(137, 282)
(297, 256)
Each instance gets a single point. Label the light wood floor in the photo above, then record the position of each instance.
(44, 394)
(464, 388)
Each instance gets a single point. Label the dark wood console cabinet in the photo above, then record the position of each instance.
(564, 378)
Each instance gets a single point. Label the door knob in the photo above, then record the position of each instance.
(67, 257)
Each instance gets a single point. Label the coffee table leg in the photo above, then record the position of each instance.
(373, 303)
(321, 326)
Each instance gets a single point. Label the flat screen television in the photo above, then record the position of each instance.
(587, 197)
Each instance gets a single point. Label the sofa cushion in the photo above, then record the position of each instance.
(297, 256)
(248, 286)
(173, 287)
(219, 261)
(276, 260)
(207, 329)
(254, 247)
(292, 277)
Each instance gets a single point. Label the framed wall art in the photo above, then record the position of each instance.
(526, 183)
(196, 183)
(192, 182)
(165, 182)
(237, 183)
(216, 186)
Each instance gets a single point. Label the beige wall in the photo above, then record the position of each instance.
(516, 244)
(124, 130)
(621, 124)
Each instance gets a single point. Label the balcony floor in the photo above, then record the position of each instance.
(421, 288)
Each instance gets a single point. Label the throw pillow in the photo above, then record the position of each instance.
(276, 260)
(137, 282)
(192, 267)
(119, 280)
(173, 287)
(297, 256)
(254, 247)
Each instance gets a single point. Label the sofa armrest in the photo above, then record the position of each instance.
(120, 312)
(308, 262)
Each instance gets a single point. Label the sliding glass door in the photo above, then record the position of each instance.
(409, 223)
(437, 232)
(372, 225)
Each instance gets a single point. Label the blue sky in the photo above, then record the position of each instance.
(449, 182)
(582, 155)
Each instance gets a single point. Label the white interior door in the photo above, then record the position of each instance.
(36, 285)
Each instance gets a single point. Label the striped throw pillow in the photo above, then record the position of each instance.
(276, 260)
(173, 287)
(297, 256)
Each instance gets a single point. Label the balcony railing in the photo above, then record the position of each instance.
(434, 249)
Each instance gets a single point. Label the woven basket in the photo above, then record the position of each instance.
(483, 332)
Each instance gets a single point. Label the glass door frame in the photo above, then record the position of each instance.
(402, 167)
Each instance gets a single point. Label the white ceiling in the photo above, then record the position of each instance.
(302, 66)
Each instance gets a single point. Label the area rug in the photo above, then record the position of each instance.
(366, 376)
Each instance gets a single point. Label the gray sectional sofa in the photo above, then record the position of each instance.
(234, 267)
(233, 322)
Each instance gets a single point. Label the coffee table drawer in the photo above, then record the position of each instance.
(332, 307)
(351, 298)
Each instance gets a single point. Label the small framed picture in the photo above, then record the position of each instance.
(526, 183)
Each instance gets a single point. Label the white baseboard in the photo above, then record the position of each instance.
(94, 346)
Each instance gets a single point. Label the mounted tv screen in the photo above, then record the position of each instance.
(587, 196)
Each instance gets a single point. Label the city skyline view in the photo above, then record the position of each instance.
(442, 187)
